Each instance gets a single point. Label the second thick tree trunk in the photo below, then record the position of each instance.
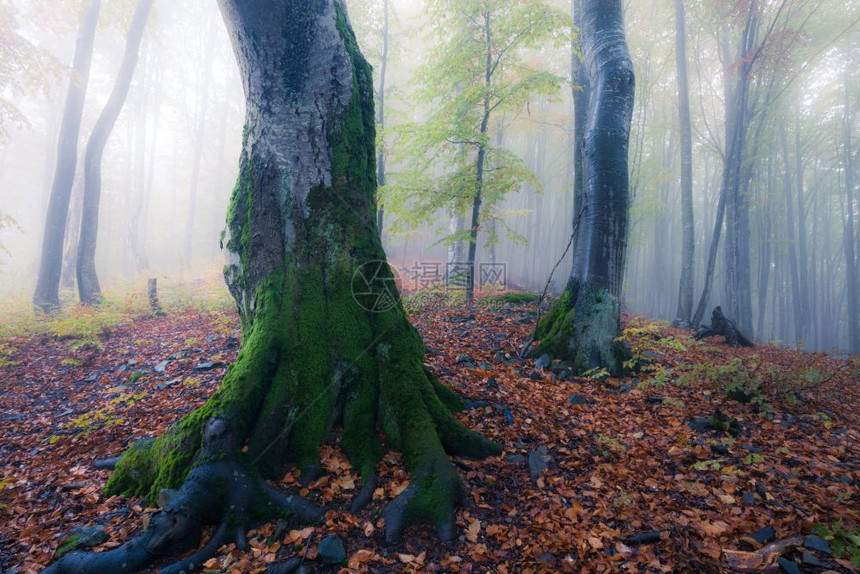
(583, 325)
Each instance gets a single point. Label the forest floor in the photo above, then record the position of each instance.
(657, 471)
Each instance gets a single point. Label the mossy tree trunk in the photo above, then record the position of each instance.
(583, 325)
(326, 342)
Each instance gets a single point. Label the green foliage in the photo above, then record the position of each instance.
(6, 222)
(5, 351)
(510, 298)
(642, 341)
(844, 541)
(25, 68)
(100, 418)
(475, 71)
(740, 379)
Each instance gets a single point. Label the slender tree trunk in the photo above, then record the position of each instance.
(325, 338)
(481, 158)
(796, 304)
(380, 115)
(199, 146)
(851, 288)
(805, 311)
(47, 296)
(764, 257)
(688, 240)
(137, 247)
(583, 325)
(88, 282)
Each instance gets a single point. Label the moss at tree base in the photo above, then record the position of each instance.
(582, 328)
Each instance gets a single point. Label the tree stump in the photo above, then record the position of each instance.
(721, 325)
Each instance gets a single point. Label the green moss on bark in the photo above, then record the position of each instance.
(582, 328)
(311, 353)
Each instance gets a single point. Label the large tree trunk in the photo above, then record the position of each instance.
(688, 241)
(47, 294)
(584, 323)
(325, 339)
(88, 281)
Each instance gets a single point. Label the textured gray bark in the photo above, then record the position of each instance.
(288, 120)
(606, 188)
(46, 296)
(688, 241)
(88, 282)
(583, 325)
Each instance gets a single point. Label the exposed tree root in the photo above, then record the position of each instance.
(280, 421)
(221, 492)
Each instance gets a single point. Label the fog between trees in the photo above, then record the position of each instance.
(786, 263)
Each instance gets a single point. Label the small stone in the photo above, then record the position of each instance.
(788, 566)
(643, 538)
(538, 461)
(749, 498)
(331, 550)
(492, 384)
(170, 383)
(515, 459)
(543, 362)
(817, 543)
(577, 399)
(811, 560)
(485, 367)
(92, 378)
(206, 366)
(702, 424)
(161, 367)
(763, 535)
(655, 400)
(465, 359)
(547, 559)
(535, 376)
(509, 418)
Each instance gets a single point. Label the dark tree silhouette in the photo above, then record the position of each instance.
(88, 281)
(47, 294)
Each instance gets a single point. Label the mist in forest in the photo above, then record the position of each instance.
(781, 181)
